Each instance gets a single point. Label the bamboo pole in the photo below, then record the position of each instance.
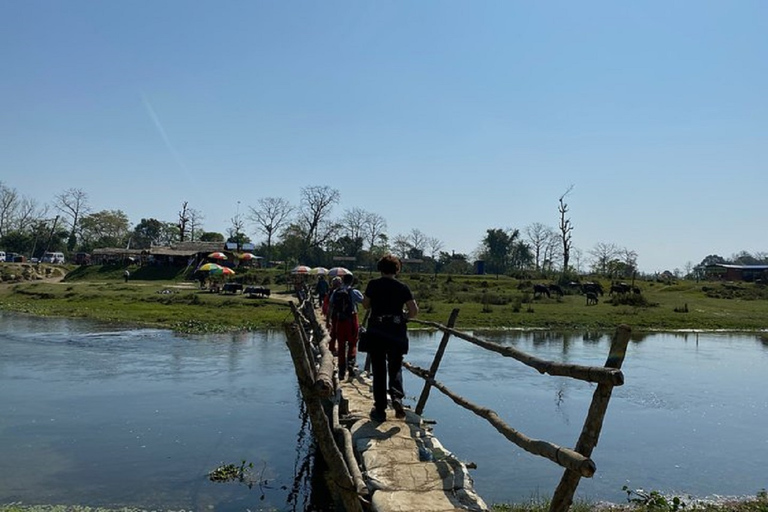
(563, 497)
(436, 363)
(344, 437)
(342, 485)
(565, 457)
(598, 374)
(322, 373)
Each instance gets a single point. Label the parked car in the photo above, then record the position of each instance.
(2, 255)
(53, 257)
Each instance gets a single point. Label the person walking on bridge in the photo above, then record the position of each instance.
(387, 298)
(342, 310)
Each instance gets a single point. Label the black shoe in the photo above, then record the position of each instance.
(378, 415)
(397, 405)
(341, 376)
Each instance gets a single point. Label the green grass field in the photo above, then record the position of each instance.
(156, 296)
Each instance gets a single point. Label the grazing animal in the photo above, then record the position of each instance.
(257, 291)
(554, 288)
(620, 288)
(540, 289)
(232, 288)
(591, 298)
(636, 290)
(595, 288)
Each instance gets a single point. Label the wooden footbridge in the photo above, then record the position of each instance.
(399, 465)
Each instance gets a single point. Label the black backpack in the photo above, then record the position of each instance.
(343, 308)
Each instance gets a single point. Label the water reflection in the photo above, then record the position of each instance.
(97, 416)
(100, 416)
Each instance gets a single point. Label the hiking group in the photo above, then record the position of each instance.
(391, 304)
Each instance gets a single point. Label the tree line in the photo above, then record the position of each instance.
(309, 233)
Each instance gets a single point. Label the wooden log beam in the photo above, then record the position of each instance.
(343, 487)
(590, 433)
(344, 437)
(436, 363)
(322, 373)
(565, 457)
(598, 374)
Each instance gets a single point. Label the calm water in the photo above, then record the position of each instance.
(102, 416)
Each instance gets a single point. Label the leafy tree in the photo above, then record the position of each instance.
(210, 236)
(454, 263)
(107, 228)
(712, 259)
(497, 245)
(147, 233)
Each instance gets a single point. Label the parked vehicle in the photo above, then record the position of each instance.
(2, 255)
(82, 258)
(53, 257)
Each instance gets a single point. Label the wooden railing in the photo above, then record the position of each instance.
(308, 343)
(576, 461)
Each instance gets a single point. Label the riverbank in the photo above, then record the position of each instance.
(151, 298)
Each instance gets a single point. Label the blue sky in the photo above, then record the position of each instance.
(448, 117)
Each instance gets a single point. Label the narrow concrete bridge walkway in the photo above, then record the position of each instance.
(404, 465)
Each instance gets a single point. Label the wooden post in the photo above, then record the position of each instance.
(342, 485)
(436, 362)
(563, 497)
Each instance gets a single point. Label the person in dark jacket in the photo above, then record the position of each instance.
(391, 303)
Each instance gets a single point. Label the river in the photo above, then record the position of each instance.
(99, 415)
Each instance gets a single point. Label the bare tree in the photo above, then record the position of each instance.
(353, 223)
(9, 202)
(539, 236)
(435, 245)
(418, 241)
(374, 228)
(73, 203)
(183, 220)
(316, 205)
(566, 228)
(401, 246)
(270, 216)
(195, 221)
(603, 253)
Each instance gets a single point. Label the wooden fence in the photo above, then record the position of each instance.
(308, 344)
(576, 461)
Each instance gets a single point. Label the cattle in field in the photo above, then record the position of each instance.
(590, 287)
(232, 288)
(591, 298)
(554, 288)
(539, 290)
(620, 288)
(257, 291)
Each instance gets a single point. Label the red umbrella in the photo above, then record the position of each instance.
(217, 256)
(249, 256)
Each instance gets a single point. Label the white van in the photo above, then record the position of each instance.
(2, 255)
(53, 257)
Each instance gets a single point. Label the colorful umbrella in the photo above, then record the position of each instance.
(339, 271)
(249, 256)
(217, 256)
(209, 267)
(320, 271)
(301, 269)
(226, 271)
